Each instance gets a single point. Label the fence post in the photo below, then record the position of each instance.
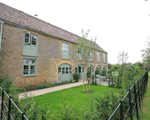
(136, 105)
(141, 88)
(9, 108)
(139, 94)
(130, 104)
(22, 115)
(121, 110)
(143, 85)
(146, 78)
(2, 104)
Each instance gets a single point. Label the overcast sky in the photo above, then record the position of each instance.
(119, 25)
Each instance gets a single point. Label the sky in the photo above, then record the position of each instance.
(119, 25)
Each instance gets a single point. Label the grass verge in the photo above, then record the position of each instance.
(145, 112)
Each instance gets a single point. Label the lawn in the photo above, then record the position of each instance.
(145, 113)
(74, 97)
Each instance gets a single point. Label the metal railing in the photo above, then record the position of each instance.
(6, 108)
(133, 99)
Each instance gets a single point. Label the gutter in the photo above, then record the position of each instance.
(1, 34)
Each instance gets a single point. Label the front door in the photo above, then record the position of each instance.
(91, 69)
(64, 73)
(80, 70)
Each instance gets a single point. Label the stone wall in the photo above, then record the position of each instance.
(49, 57)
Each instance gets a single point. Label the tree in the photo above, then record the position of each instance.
(138, 64)
(110, 66)
(84, 49)
(122, 57)
(146, 54)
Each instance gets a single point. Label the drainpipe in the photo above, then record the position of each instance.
(1, 34)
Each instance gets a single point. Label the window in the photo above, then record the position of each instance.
(76, 70)
(63, 70)
(90, 57)
(98, 68)
(98, 57)
(30, 44)
(59, 70)
(92, 69)
(80, 53)
(82, 69)
(105, 68)
(104, 58)
(66, 70)
(28, 67)
(65, 51)
(70, 70)
(30, 39)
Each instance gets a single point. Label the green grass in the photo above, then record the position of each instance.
(145, 112)
(74, 97)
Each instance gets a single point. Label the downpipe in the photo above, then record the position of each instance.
(1, 34)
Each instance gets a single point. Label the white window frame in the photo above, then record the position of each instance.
(98, 56)
(29, 64)
(30, 39)
(80, 53)
(65, 49)
(91, 56)
(104, 57)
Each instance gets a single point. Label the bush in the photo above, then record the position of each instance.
(88, 74)
(5, 83)
(97, 72)
(94, 81)
(76, 77)
(67, 112)
(102, 107)
(104, 73)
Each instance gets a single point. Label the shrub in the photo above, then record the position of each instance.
(5, 83)
(76, 77)
(67, 112)
(88, 74)
(97, 72)
(94, 81)
(102, 107)
(104, 73)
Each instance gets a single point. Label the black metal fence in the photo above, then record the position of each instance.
(9, 110)
(131, 102)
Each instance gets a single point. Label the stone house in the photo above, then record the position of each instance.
(33, 51)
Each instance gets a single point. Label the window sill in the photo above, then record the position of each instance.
(29, 75)
(65, 59)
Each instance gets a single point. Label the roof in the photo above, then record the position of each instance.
(13, 15)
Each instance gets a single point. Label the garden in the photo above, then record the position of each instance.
(73, 103)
